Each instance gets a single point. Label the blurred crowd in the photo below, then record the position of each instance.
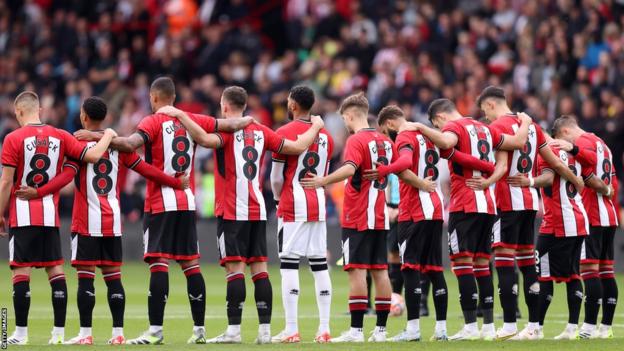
(552, 56)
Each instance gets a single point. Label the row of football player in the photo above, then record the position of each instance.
(302, 209)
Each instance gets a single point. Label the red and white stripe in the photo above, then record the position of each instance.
(104, 214)
(175, 199)
(249, 202)
(484, 199)
(606, 211)
(522, 198)
(376, 210)
(430, 203)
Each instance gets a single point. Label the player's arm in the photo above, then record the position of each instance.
(123, 144)
(467, 161)
(313, 181)
(410, 178)
(156, 175)
(599, 186)
(522, 180)
(405, 161)
(6, 182)
(277, 178)
(53, 186)
(198, 134)
(558, 166)
(304, 140)
(519, 139)
(443, 140)
(480, 183)
(231, 125)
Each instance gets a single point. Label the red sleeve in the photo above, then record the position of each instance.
(453, 127)
(497, 138)
(353, 152)
(70, 168)
(130, 159)
(10, 152)
(147, 129)
(273, 141)
(155, 175)
(399, 164)
(586, 153)
(541, 139)
(468, 161)
(73, 147)
(277, 157)
(542, 165)
(208, 123)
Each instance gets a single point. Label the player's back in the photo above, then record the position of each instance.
(364, 200)
(297, 203)
(564, 213)
(170, 148)
(476, 139)
(238, 164)
(417, 204)
(524, 161)
(36, 151)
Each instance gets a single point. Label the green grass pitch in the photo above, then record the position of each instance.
(178, 322)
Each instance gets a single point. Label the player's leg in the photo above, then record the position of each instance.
(565, 265)
(85, 297)
(21, 303)
(431, 266)
(425, 284)
(289, 236)
(546, 292)
(116, 297)
(609, 285)
(158, 294)
(525, 259)
(317, 257)
(196, 291)
(483, 274)
(378, 260)
(590, 259)
(58, 285)
(505, 239)
(394, 262)
(263, 290)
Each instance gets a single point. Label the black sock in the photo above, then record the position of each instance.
(508, 292)
(59, 299)
(158, 292)
(412, 293)
(357, 308)
(21, 299)
(116, 297)
(382, 309)
(263, 293)
(593, 295)
(486, 292)
(369, 285)
(531, 288)
(440, 294)
(196, 289)
(396, 278)
(609, 299)
(575, 299)
(235, 297)
(468, 295)
(86, 297)
(545, 298)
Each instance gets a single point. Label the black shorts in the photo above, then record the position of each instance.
(365, 249)
(393, 238)
(470, 234)
(34, 246)
(558, 258)
(514, 230)
(241, 241)
(421, 245)
(598, 246)
(96, 250)
(171, 235)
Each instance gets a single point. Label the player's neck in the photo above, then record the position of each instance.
(576, 133)
(359, 125)
(93, 126)
(34, 119)
(503, 110)
(302, 116)
(234, 114)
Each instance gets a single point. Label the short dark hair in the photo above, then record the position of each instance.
(236, 96)
(95, 108)
(390, 112)
(492, 92)
(358, 101)
(164, 86)
(562, 122)
(303, 96)
(440, 105)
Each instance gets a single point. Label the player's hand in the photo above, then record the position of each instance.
(428, 185)
(170, 111)
(374, 173)
(110, 132)
(312, 181)
(247, 120)
(317, 121)
(3, 232)
(393, 214)
(524, 118)
(611, 192)
(411, 126)
(579, 184)
(562, 144)
(26, 193)
(519, 180)
(477, 183)
(87, 135)
(185, 181)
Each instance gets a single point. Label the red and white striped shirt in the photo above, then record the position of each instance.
(417, 205)
(296, 203)
(238, 163)
(564, 213)
(596, 156)
(364, 205)
(524, 160)
(476, 139)
(170, 148)
(36, 151)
